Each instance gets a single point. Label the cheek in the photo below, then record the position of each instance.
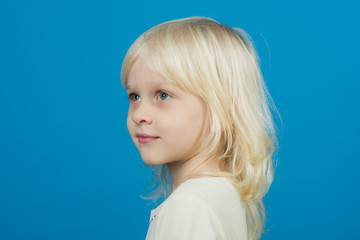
(130, 124)
(132, 128)
(185, 124)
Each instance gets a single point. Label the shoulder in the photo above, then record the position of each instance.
(205, 208)
(218, 193)
(214, 193)
(188, 216)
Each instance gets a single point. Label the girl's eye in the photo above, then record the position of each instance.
(163, 96)
(134, 97)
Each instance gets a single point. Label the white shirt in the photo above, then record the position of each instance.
(200, 209)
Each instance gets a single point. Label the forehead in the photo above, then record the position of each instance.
(140, 74)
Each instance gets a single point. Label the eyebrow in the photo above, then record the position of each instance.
(129, 87)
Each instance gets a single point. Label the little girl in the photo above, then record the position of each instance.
(199, 116)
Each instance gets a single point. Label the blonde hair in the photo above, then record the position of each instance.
(219, 64)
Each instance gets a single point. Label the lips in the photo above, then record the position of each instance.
(143, 138)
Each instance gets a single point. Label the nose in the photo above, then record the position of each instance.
(142, 115)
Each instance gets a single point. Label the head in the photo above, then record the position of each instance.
(218, 65)
(209, 60)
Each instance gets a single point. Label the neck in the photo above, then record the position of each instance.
(191, 168)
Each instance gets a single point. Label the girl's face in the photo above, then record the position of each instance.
(164, 121)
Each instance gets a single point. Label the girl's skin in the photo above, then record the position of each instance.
(165, 123)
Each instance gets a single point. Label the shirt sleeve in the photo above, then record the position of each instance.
(189, 217)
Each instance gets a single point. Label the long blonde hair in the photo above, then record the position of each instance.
(219, 64)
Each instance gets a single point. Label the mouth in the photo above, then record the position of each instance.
(143, 138)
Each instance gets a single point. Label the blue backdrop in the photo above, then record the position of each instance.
(68, 169)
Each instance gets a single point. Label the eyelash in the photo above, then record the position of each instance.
(132, 95)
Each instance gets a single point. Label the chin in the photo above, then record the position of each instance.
(151, 162)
